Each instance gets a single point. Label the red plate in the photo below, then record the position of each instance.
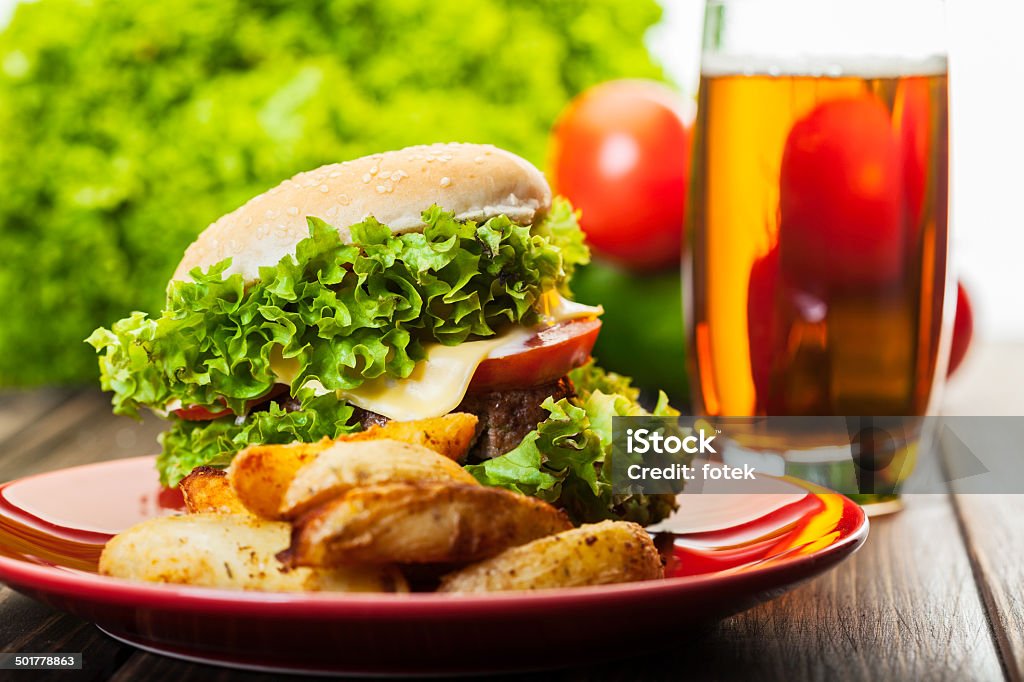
(732, 552)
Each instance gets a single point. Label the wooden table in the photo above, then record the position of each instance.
(934, 594)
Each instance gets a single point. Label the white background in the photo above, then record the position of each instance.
(987, 119)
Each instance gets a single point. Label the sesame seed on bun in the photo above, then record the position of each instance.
(474, 181)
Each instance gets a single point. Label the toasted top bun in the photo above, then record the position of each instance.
(474, 181)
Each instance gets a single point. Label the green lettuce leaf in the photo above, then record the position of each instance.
(561, 227)
(589, 377)
(341, 313)
(187, 445)
(565, 461)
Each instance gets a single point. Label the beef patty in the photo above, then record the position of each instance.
(505, 416)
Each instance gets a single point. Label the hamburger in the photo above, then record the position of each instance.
(398, 286)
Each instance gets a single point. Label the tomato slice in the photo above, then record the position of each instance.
(546, 356)
(197, 413)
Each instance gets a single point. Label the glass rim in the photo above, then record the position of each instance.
(826, 37)
(819, 3)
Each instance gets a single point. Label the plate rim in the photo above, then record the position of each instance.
(54, 579)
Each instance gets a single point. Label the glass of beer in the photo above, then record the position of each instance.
(818, 226)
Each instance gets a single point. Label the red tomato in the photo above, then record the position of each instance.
(762, 325)
(915, 131)
(197, 413)
(544, 357)
(620, 153)
(963, 329)
(840, 198)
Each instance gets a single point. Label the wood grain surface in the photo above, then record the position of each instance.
(993, 528)
(935, 594)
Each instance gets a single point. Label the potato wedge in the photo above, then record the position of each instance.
(412, 523)
(229, 551)
(260, 474)
(346, 465)
(594, 554)
(206, 491)
(450, 435)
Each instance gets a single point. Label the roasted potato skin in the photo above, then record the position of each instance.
(350, 464)
(230, 552)
(450, 435)
(260, 474)
(414, 523)
(207, 491)
(595, 554)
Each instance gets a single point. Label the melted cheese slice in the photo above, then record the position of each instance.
(439, 382)
(555, 308)
(436, 386)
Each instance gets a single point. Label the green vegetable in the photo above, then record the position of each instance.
(191, 444)
(643, 334)
(561, 226)
(565, 461)
(344, 313)
(130, 126)
(589, 377)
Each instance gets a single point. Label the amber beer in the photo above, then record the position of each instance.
(818, 234)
